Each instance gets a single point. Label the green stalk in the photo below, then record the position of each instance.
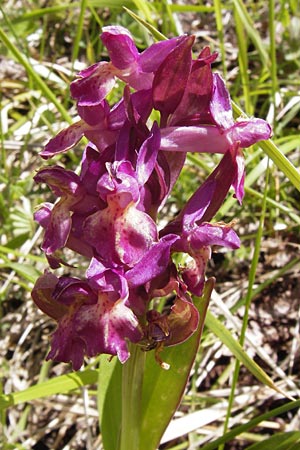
(132, 384)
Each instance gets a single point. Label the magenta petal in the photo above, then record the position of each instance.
(107, 279)
(122, 236)
(148, 155)
(42, 295)
(171, 77)
(104, 327)
(94, 86)
(65, 140)
(197, 205)
(183, 321)
(120, 45)
(213, 234)
(153, 263)
(58, 230)
(195, 101)
(200, 139)
(206, 57)
(248, 132)
(92, 329)
(66, 345)
(43, 215)
(65, 184)
(94, 115)
(220, 105)
(61, 181)
(90, 321)
(194, 274)
(153, 56)
(239, 180)
(223, 177)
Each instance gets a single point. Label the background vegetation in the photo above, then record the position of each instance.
(42, 46)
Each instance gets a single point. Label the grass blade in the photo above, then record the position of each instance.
(35, 77)
(252, 32)
(251, 424)
(58, 385)
(219, 329)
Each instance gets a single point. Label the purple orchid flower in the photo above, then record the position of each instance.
(108, 213)
(98, 123)
(221, 135)
(91, 315)
(128, 65)
(196, 235)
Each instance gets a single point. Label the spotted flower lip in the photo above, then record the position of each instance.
(107, 211)
(92, 315)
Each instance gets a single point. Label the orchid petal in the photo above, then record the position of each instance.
(120, 235)
(120, 45)
(58, 229)
(94, 85)
(195, 101)
(171, 77)
(239, 179)
(248, 132)
(182, 321)
(95, 114)
(64, 140)
(153, 56)
(201, 139)
(61, 181)
(42, 296)
(220, 105)
(159, 255)
(89, 321)
(213, 234)
(147, 156)
(194, 274)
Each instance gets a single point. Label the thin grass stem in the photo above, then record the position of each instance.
(274, 80)
(34, 76)
(243, 60)
(220, 29)
(249, 295)
(79, 30)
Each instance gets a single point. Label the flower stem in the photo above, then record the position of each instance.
(132, 384)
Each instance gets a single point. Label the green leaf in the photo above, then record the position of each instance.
(281, 162)
(280, 441)
(155, 33)
(109, 399)
(219, 329)
(238, 430)
(57, 385)
(144, 9)
(35, 77)
(252, 32)
(163, 390)
(26, 271)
